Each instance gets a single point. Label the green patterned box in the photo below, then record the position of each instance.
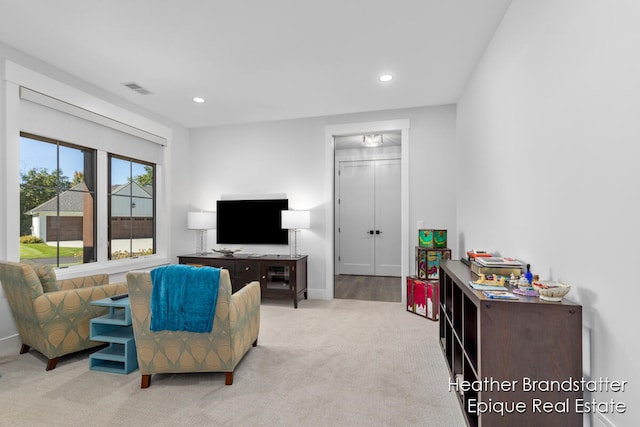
(440, 239)
(425, 238)
(430, 238)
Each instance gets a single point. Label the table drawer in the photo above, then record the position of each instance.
(246, 271)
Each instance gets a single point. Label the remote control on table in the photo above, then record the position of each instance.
(117, 297)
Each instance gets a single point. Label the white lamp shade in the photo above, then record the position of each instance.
(296, 219)
(201, 220)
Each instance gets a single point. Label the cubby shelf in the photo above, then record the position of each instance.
(508, 340)
(115, 328)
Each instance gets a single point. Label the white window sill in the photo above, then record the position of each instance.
(111, 267)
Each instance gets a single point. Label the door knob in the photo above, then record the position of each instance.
(370, 231)
(378, 231)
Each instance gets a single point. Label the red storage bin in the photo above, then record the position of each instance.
(422, 297)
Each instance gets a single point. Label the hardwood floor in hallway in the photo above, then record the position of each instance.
(368, 288)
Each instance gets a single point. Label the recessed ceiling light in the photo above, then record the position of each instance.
(198, 99)
(385, 78)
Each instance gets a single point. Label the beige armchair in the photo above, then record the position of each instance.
(52, 316)
(235, 329)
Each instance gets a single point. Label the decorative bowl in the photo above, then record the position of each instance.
(226, 252)
(551, 291)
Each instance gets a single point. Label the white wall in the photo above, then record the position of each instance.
(289, 157)
(285, 157)
(548, 130)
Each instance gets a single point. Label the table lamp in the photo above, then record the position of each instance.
(294, 221)
(201, 222)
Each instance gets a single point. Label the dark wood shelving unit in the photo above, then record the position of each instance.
(509, 340)
(280, 276)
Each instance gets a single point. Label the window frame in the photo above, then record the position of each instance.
(93, 179)
(109, 199)
(102, 261)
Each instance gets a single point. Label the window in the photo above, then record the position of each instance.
(131, 208)
(112, 222)
(57, 202)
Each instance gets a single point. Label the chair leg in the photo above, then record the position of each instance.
(255, 343)
(24, 349)
(146, 381)
(51, 364)
(228, 378)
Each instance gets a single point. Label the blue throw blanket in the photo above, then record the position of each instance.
(184, 297)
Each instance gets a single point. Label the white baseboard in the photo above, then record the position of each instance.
(316, 294)
(10, 345)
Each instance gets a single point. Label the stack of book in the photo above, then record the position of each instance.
(497, 265)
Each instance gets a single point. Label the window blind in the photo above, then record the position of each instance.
(46, 116)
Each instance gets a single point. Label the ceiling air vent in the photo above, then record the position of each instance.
(136, 87)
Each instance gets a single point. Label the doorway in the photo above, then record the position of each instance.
(368, 217)
(368, 261)
(331, 132)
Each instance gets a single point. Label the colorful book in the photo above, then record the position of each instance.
(498, 262)
(526, 292)
(485, 287)
(499, 295)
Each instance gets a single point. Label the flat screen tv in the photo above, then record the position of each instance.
(251, 221)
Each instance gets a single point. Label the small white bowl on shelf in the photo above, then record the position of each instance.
(551, 291)
(525, 286)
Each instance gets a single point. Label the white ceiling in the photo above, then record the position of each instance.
(256, 60)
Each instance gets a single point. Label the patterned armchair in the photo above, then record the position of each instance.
(235, 329)
(52, 316)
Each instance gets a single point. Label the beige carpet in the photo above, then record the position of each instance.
(328, 363)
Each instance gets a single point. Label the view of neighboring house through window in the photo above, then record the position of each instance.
(57, 202)
(131, 208)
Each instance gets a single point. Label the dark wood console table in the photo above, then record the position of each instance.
(502, 345)
(280, 276)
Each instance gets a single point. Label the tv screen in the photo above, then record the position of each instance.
(251, 221)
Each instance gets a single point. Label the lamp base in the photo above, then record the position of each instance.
(201, 242)
(293, 243)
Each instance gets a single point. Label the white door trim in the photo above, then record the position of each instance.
(331, 131)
